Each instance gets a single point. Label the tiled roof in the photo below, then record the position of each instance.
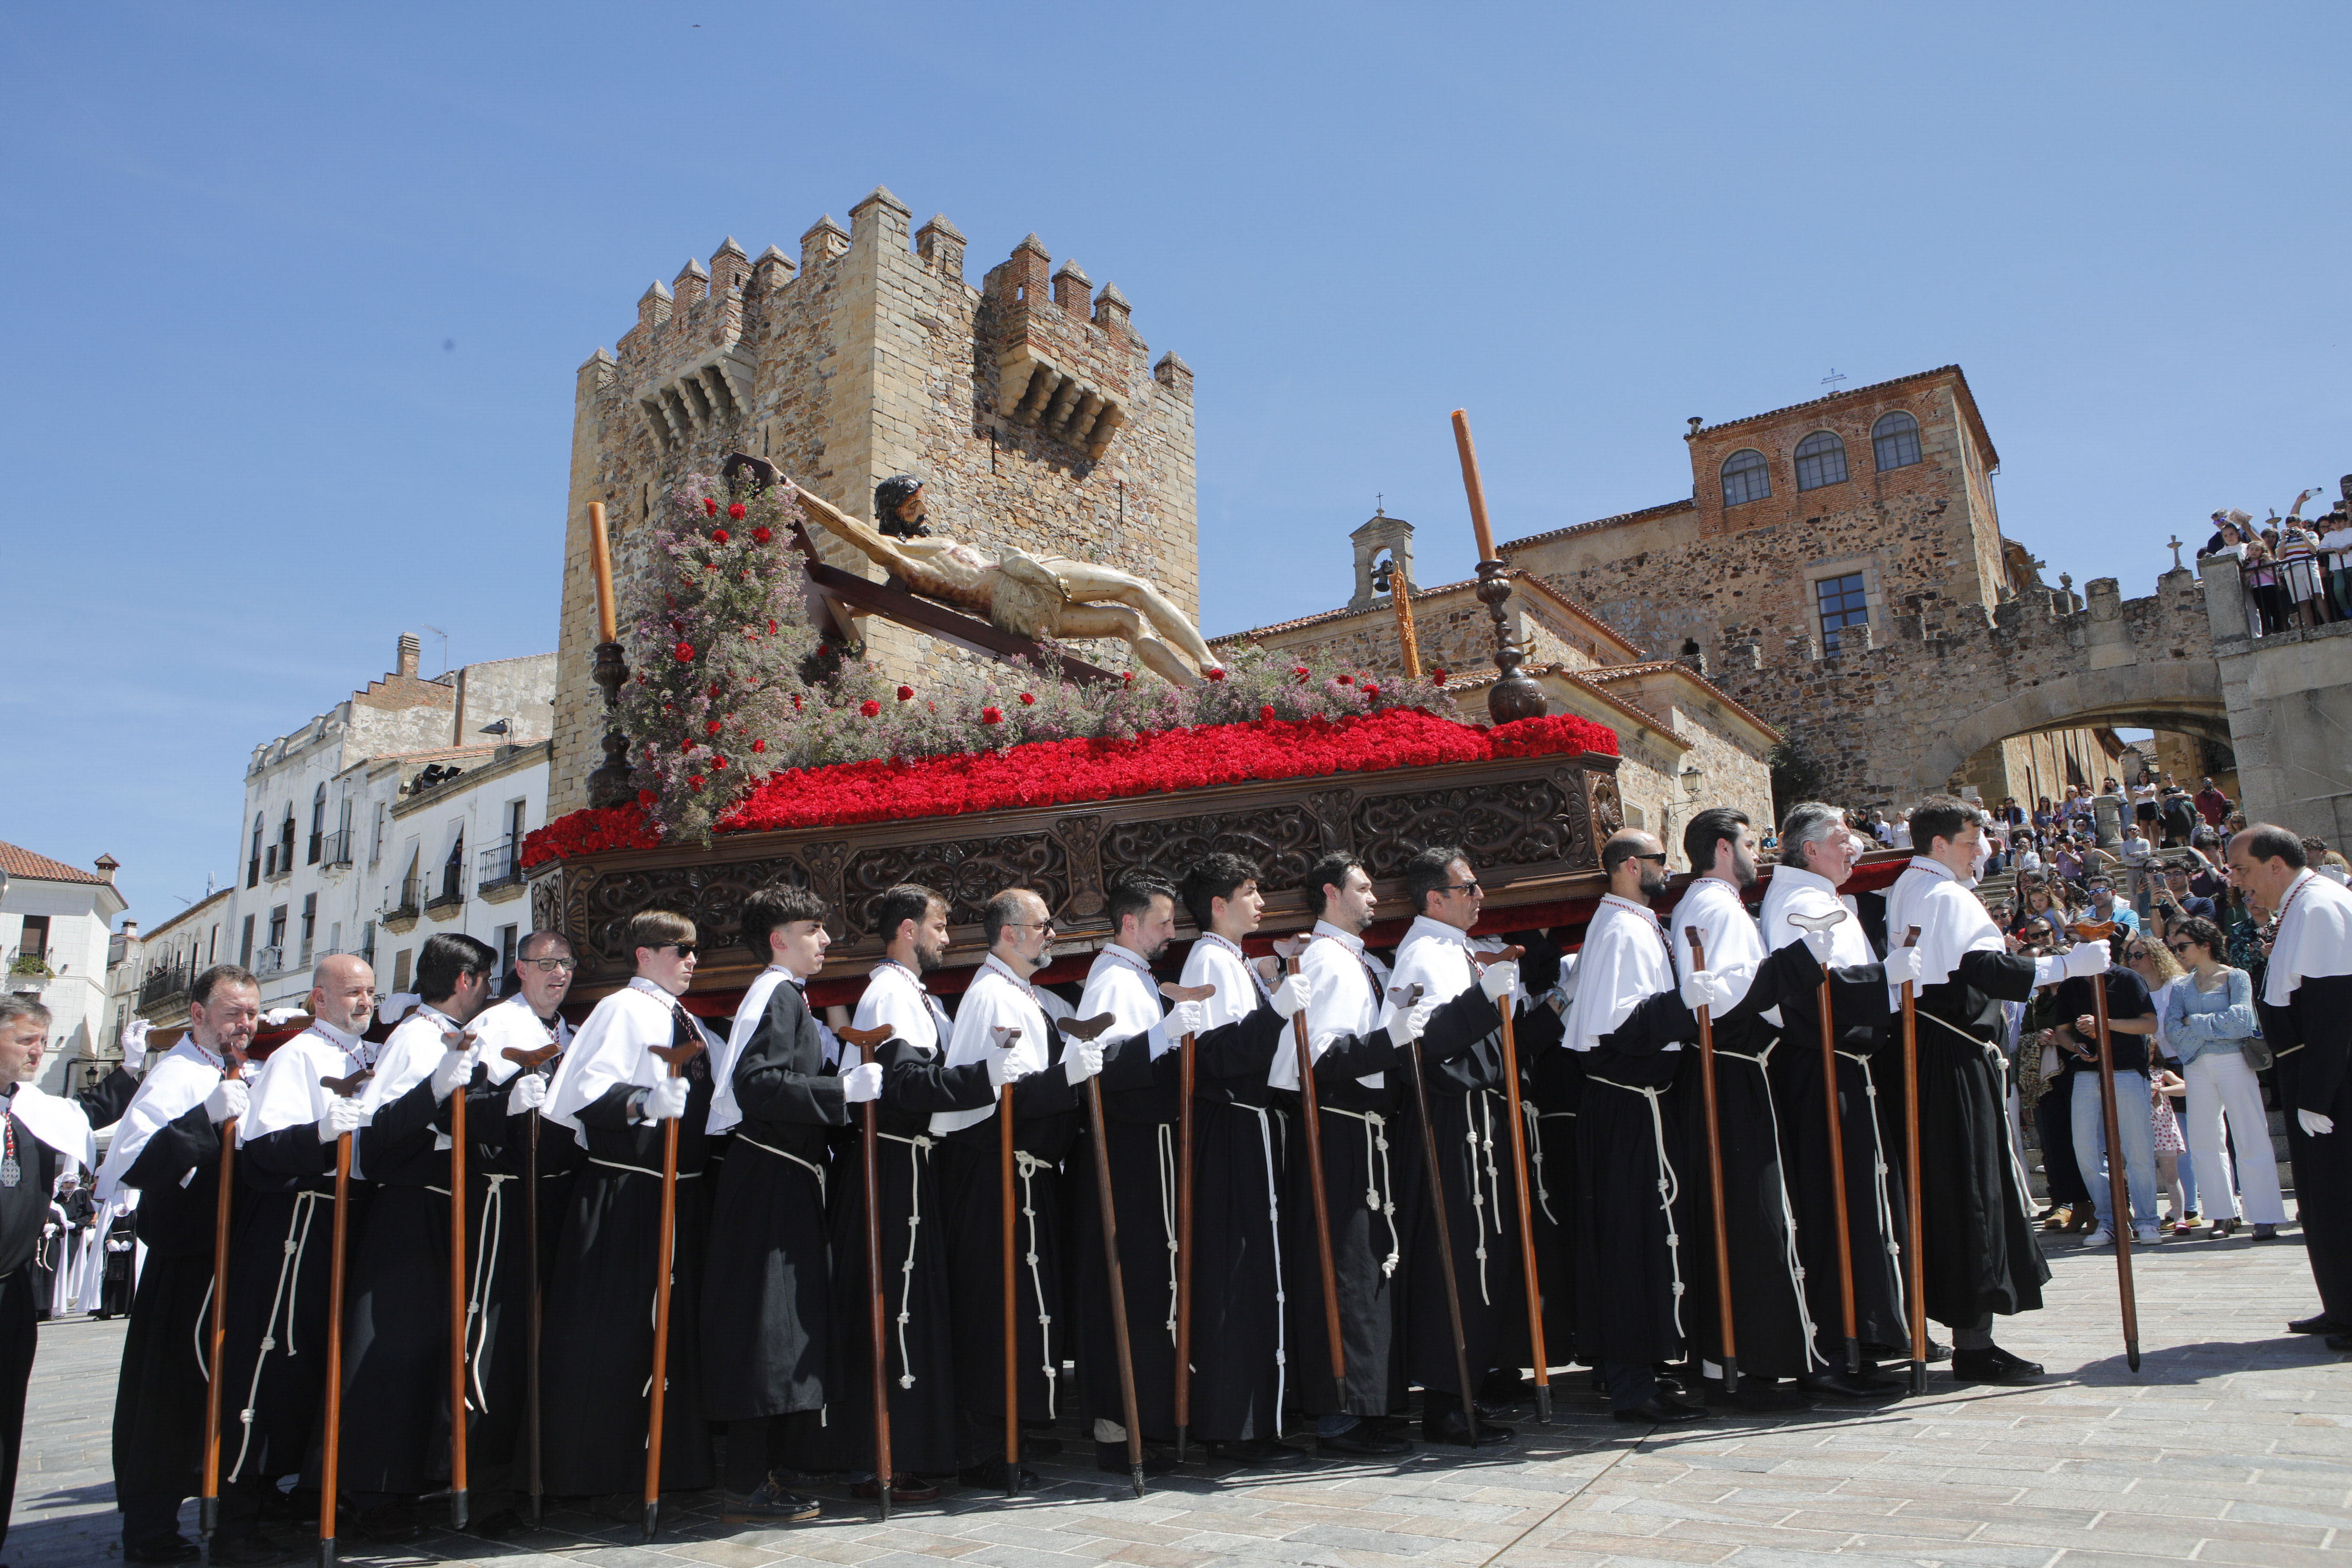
(21, 862)
(1467, 684)
(1682, 505)
(1838, 396)
(1608, 672)
(1517, 574)
(435, 755)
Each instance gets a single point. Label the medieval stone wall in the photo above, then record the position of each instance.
(1030, 406)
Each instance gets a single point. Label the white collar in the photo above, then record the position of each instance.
(913, 978)
(1424, 926)
(1128, 956)
(1228, 945)
(780, 971)
(1348, 940)
(1932, 867)
(667, 998)
(1001, 967)
(1798, 877)
(1645, 910)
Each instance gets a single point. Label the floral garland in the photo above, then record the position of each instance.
(1066, 771)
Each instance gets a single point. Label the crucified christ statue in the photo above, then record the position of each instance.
(1028, 595)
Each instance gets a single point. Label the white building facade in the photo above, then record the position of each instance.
(57, 923)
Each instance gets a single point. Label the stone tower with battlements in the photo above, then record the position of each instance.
(1029, 405)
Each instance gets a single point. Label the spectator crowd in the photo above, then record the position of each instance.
(2297, 571)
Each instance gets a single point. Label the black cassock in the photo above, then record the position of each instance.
(2311, 1038)
(24, 1209)
(1767, 1300)
(1239, 1132)
(1875, 1201)
(395, 1438)
(968, 1160)
(1141, 1099)
(1551, 1092)
(282, 1255)
(919, 1316)
(597, 1344)
(159, 1395)
(1634, 1179)
(1371, 1177)
(1462, 1060)
(1982, 1252)
(767, 1282)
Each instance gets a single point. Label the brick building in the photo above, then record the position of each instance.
(1029, 403)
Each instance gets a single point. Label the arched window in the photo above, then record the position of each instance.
(1897, 437)
(1820, 460)
(1745, 477)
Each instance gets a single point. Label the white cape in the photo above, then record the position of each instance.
(725, 1114)
(2315, 938)
(1624, 962)
(177, 1082)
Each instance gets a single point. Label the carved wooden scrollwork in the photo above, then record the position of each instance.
(1607, 807)
(1081, 838)
(1334, 811)
(1511, 823)
(1284, 840)
(967, 871)
(825, 862)
(597, 908)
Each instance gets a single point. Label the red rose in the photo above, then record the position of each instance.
(870, 707)
(694, 782)
(685, 652)
(710, 566)
(1300, 670)
(718, 536)
(1127, 676)
(759, 745)
(760, 535)
(796, 702)
(1215, 672)
(717, 762)
(906, 694)
(713, 727)
(647, 797)
(686, 747)
(714, 691)
(1027, 700)
(736, 511)
(771, 629)
(1370, 692)
(992, 715)
(1266, 713)
(710, 507)
(1347, 681)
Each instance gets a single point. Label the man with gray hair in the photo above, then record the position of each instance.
(1818, 852)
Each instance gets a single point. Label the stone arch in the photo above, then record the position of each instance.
(2182, 695)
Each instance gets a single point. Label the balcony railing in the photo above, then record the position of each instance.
(448, 890)
(500, 867)
(336, 851)
(269, 960)
(167, 984)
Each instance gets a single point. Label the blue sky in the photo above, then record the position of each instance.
(296, 293)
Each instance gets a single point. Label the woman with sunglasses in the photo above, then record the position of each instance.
(2208, 1019)
(2176, 1172)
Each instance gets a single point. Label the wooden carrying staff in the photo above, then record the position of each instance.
(1914, 1259)
(1830, 1098)
(1403, 997)
(2119, 1202)
(459, 1503)
(528, 1061)
(1519, 1179)
(1314, 1119)
(1006, 1040)
(1715, 1175)
(676, 1056)
(216, 1331)
(1187, 1077)
(1087, 1029)
(866, 1040)
(332, 1445)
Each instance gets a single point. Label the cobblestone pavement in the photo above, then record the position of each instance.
(2229, 1445)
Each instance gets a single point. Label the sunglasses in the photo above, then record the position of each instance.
(1460, 887)
(2178, 948)
(685, 950)
(1660, 859)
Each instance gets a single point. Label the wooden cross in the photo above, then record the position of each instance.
(2174, 543)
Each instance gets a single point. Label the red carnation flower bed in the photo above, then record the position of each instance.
(1062, 773)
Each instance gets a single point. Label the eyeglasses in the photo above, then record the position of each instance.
(567, 965)
(1660, 858)
(1032, 925)
(1470, 887)
(2179, 949)
(685, 948)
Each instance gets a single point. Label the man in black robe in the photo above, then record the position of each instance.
(1983, 1255)
(767, 1281)
(168, 1149)
(2305, 1007)
(918, 1314)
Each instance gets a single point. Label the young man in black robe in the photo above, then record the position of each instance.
(396, 1299)
(767, 1283)
(168, 1149)
(1983, 1255)
(918, 1314)
(2305, 1007)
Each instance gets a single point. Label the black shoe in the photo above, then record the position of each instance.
(1992, 1364)
(1757, 1393)
(1844, 1385)
(2339, 1341)
(1660, 1411)
(1936, 1350)
(770, 1504)
(1248, 1451)
(496, 1526)
(170, 1549)
(990, 1474)
(2321, 1324)
(1362, 1442)
(393, 1522)
(1503, 1387)
(1036, 1444)
(252, 1550)
(1447, 1427)
(1112, 1459)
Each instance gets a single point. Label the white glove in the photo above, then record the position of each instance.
(1406, 1026)
(1903, 965)
(1821, 945)
(1081, 1059)
(1191, 1018)
(1288, 997)
(454, 1068)
(1499, 980)
(343, 1116)
(528, 1093)
(665, 1101)
(2086, 959)
(135, 1045)
(229, 1098)
(862, 1083)
(1705, 988)
(2315, 1124)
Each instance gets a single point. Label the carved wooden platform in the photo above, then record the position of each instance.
(1532, 826)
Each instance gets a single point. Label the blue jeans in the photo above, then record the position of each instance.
(2137, 1134)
